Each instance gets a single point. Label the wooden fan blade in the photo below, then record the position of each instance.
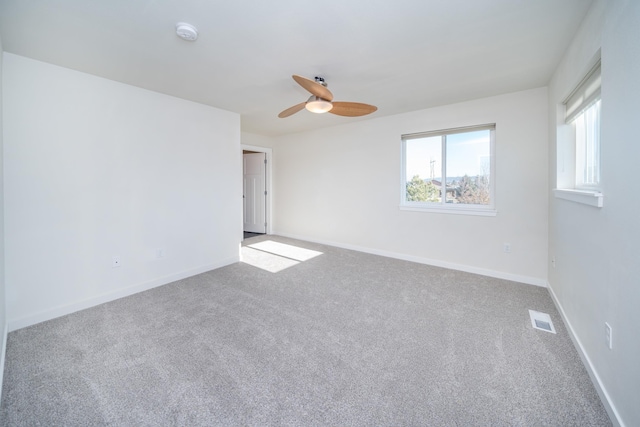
(352, 109)
(315, 88)
(291, 110)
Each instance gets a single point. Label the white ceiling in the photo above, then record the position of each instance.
(399, 55)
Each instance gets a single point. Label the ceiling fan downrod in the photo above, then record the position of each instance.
(321, 81)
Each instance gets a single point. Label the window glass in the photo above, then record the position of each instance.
(587, 126)
(469, 168)
(424, 169)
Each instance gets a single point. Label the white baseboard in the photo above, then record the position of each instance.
(586, 361)
(52, 313)
(436, 263)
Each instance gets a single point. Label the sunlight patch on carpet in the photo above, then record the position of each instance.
(274, 256)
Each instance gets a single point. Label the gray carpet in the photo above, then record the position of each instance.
(343, 338)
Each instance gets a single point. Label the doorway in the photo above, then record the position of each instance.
(256, 196)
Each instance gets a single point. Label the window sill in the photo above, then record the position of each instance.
(586, 197)
(447, 210)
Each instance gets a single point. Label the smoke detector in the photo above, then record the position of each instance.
(186, 31)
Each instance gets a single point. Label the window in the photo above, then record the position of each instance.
(582, 111)
(449, 171)
(579, 169)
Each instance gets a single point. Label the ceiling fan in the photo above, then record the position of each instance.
(321, 101)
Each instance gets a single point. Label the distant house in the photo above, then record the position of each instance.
(452, 191)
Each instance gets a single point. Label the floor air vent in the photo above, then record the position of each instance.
(541, 321)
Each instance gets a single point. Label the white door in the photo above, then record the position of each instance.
(255, 197)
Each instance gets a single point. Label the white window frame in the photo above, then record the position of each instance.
(442, 207)
(584, 96)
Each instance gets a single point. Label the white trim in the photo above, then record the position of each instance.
(428, 261)
(443, 209)
(586, 197)
(269, 153)
(586, 361)
(450, 131)
(62, 310)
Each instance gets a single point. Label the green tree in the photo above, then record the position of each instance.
(420, 191)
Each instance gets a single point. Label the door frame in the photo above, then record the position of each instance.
(269, 153)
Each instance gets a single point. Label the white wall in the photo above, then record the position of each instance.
(256, 140)
(597, 274)
(3, 308)
(341, 185)
(96, 168)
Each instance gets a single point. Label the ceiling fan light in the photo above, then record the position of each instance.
(318, 105)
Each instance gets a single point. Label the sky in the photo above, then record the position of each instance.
(467, 153)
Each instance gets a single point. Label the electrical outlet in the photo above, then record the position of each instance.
(553, 262)
(608, 335)
(507, 248)
(116, 261)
